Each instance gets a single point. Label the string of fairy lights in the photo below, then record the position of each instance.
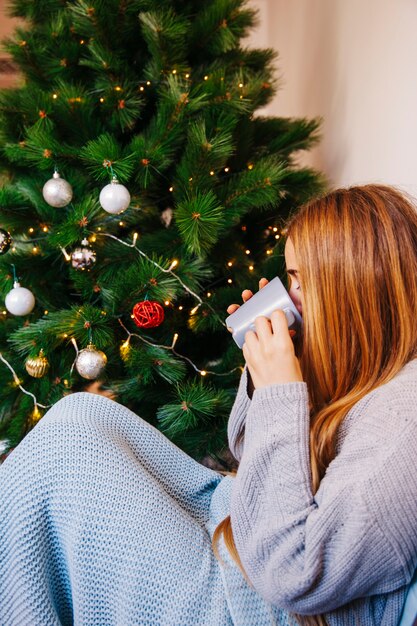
(36, 243)
(126, 344)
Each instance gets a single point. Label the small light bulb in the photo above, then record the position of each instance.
(36, 413)
(205, 77)
(45, 312)
(251, 267)
(226, 169)
(148, 82)
(118, 88)
(166, 302)
(55, 96)
(209, 294)
(82, 41)
(275, 229)
(276, 236)
(247, 251)
(35, 250)
(269, 251)
(4, 312)
(121, 223)
(101, 99)
(31, 230)
(195, 309)
(180, 308)
(187, 76)
(45, 229)
(230, 264)
(211, 173)
(241, 85)
(250, 166)
(229, 280)
(203, 372)
(141, 88)
(135, 237)
(174, 71)
(171, 189)
(65, 335)
(173, 264)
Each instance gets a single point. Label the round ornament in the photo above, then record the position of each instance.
(5, 241)
(19, 301)
(114, 197)
(38, 366)
(147, 314)
(90, 362)
(83, 257)
(57, 192)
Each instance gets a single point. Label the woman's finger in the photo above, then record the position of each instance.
(263, 328)
(279, 324)
(246, 294)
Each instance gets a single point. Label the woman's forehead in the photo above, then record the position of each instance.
(290, 256)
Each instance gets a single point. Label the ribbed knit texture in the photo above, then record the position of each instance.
(354, 544)
(104, 522)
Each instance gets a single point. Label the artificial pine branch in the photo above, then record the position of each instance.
(162, 95)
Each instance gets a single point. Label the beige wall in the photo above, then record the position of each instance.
(8, 75)
(354, 63)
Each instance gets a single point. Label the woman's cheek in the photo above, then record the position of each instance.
(295, 296)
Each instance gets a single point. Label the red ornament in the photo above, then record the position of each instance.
(147, 314)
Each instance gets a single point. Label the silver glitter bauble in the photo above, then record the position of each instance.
(5, 241)
(114, 198)
(57, 192)
(19, 301)
(83, 258)
(90, 362)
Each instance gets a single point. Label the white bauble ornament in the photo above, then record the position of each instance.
(90, 362)
(57, 192)
(19, 301)
(114, 197)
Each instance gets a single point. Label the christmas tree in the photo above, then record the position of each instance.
(140, 195)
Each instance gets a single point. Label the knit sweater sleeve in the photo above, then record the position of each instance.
(237, 418)
(357, 537)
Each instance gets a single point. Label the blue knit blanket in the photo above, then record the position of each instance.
(104, 522)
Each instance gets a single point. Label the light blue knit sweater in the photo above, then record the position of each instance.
(103, 522)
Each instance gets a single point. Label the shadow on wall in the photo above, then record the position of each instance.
(323, 87)
(312, 80)
(8, 72)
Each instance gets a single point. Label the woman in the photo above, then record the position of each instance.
(105, 522)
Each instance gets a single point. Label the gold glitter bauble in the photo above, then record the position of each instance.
(38, 366)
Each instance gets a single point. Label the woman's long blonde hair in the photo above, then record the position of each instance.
(357, 258)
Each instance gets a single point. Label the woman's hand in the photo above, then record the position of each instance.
(246, 295)
(269, 352)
